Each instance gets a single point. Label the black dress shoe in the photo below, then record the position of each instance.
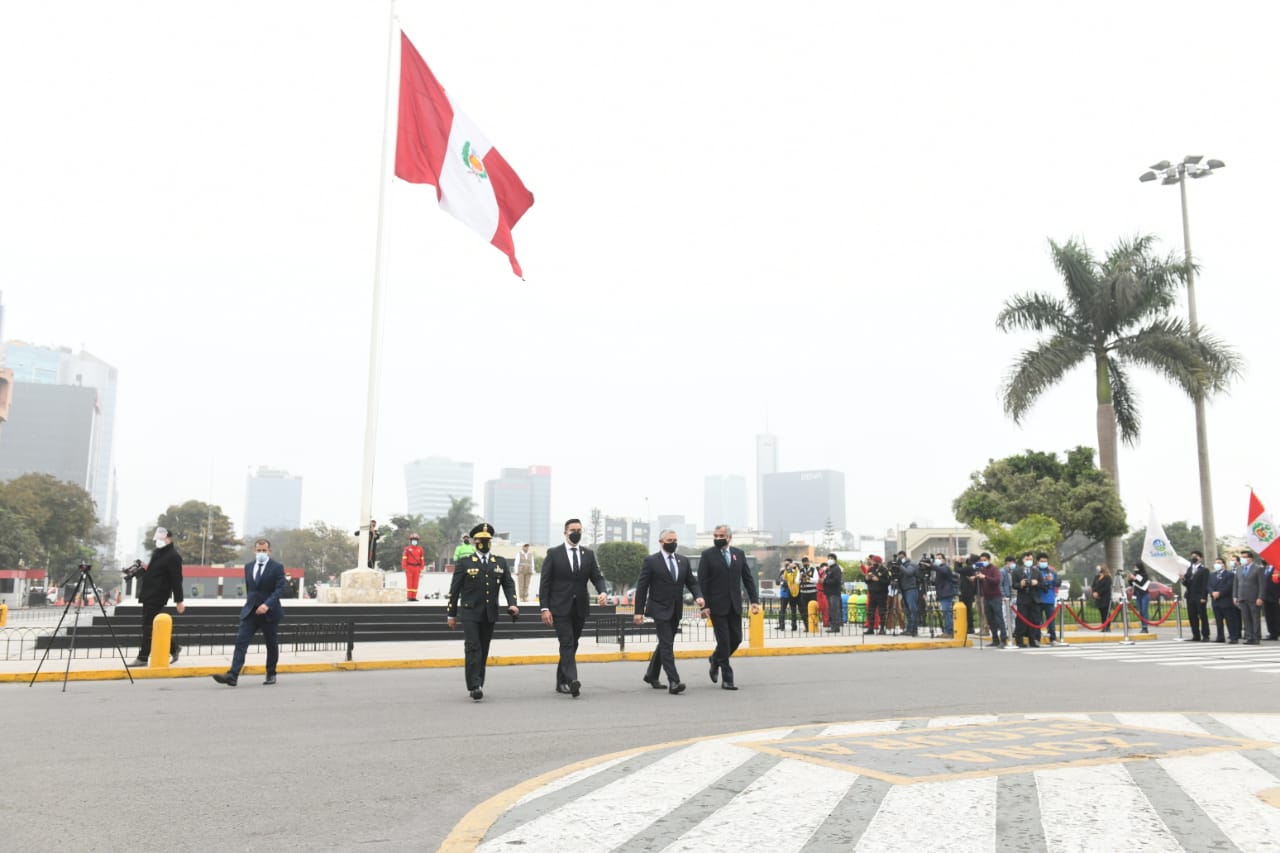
(654, 683)
(562, 688)
(575, 688)
(226, 678)
(477, 694)
(1232, 642)
(728, 685)
(271, 679)
(173, 658)
(676, 687)
(715, 670)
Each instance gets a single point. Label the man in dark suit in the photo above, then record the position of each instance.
(473, 597)
(1247, 592)
(1221, 584)
(659, 593)
(562, 595)
(264, 584)
(162, 578)
(722, 573)
(1195, 589)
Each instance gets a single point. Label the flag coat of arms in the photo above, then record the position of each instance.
(436, 144)
(1264, 539)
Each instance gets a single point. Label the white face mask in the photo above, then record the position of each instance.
(1219, 566)
(831, 562)
(159, 543)
(413, 541)
(261, 556)
(1026, 563)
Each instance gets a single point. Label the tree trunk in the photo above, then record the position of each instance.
(1108, 458)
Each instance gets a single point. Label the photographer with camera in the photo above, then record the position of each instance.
(908, 572)
(161, 578)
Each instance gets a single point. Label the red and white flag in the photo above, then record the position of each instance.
(1264, 539)
(438, 145)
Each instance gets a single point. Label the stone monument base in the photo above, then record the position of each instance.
(363, 586)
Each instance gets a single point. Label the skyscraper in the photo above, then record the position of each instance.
(724, 501)
(766, 463)
(802, 500)
(518, 503)
(273, 501)
(433, 483)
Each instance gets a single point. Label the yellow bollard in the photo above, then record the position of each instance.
(960, 623)
(4, 615)
(815, 618)
(161, 634)
(755, 630)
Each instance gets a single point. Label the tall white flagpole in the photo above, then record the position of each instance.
(385, 176)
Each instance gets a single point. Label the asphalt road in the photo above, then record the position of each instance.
(392, 760)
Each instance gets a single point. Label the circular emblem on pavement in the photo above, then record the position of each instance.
(1150, 781)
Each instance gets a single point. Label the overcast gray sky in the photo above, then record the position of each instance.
(804, 215)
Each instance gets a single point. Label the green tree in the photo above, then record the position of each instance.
(1033, 533)
(19, 545)
(199, 530)
(60, 515)
(1116, 313)
(395, 537)
(455, 524)
(620, 563)
(1075, 494)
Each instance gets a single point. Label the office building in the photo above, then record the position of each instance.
(766, 463)
(54, 430)
(724, 501)
(795, 501)
(640, 532)
(686, 532)
(273, 501)
(615, 529)
(518, 504)
(433, 483)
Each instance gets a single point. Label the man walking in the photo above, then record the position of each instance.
(722, 573)
(412, 562)
(162, 578)
(562, 595)
(1247, 592)
(264, 582)
(524, 569)
(473, 597)
(663, 577)
(1195, 589)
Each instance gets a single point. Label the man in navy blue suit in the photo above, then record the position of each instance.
(663, 578)
(264, 584)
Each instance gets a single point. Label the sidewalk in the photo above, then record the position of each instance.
(503, 652)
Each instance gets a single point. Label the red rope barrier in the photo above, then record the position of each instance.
(1172, 610)
(1080, 621)
(1047, 622)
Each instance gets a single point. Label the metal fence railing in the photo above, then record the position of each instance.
(29, 643)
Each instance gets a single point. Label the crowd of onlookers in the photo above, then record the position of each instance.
(1019, 599)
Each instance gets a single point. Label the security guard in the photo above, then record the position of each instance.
(476, 580)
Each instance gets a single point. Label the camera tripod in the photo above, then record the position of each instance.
(86, 582)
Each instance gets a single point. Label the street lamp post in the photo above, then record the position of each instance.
(1177, 173)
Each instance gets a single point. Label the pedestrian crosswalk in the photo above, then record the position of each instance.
(1263, 658)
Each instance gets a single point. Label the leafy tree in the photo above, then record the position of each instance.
(60, 515)
(620, 562)
(1116, 314)
(18, 543)
(194, 535)
(1075, 494)
(320, 550)
(395, 537)
(1032, 533)
(455, 524)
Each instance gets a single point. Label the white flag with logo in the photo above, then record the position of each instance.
(1158, 553)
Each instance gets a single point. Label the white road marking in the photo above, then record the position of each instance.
(973, 719)
(570, 779)
(823, 788)
(1226, 784)
(868, 728)
(970, 823)
(1120, 813)
(1170, 722)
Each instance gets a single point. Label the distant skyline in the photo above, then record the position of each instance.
(781, 228)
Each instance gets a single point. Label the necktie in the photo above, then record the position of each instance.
(575, 560)
(257, 572)
(675, 572)
(726, 557)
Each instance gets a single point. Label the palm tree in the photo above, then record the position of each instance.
(457, 521)
(1116, 311)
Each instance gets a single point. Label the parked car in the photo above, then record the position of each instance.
(1157, 590)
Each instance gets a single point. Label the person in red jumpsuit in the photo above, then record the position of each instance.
(412, 562)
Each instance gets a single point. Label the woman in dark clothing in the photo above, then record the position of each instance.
(1100, 589)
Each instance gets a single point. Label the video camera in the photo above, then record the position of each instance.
(132, 571)
(84, 567)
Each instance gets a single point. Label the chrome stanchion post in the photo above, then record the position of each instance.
(1177, 614)
(1124, 611)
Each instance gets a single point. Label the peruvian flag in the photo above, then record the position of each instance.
(1263, 538)
(438, 145)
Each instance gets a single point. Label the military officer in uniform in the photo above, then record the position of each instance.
(474, 592)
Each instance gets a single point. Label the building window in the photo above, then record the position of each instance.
(6, 585)
(962, 545)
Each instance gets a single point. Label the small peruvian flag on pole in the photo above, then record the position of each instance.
(1264, 539)
(438, 145)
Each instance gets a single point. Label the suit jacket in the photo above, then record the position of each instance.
(473, 592)
(1222, 582)
(562, 590)
(266, 590)
(722, 584)
(657, 594)
(1248, 588)
(1195, 583)
(1027, 594)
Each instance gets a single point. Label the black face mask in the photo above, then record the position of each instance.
(575, 537)
(482, 545)
(722, 543)
(669, 547)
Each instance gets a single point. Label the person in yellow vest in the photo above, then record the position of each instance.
(412, 561)
(789, 594)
